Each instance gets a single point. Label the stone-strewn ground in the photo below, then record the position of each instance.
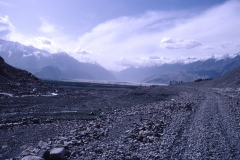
(154, 122)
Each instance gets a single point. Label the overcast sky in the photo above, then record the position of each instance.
(121, 33)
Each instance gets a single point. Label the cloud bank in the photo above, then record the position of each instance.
(46, 27)
(6, 27)
(45, 44)
(151, 38)
(172, 35)
(81, 51)
(143, 61)
(170, 43)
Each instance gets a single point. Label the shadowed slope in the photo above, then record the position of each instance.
(17, 81)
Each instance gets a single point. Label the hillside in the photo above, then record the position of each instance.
(230, 79)
(17, 82)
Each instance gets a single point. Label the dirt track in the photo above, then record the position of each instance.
(211, 131)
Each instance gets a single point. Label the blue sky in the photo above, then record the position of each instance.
(122, 33)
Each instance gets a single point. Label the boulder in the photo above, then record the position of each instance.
(44, 154)
(57, 153)
(36, 121)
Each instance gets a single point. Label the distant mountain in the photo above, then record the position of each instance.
(174, 76)
(51, 72)
(185, 71)
(39, 61)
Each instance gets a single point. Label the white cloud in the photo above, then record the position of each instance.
(6, 27)
(44, 44)
(81, 51)
(86, 58)
(199, 35)
(45, 41)
(50, 42)
(46, 27)
(169, 43)
(207, 47)
(143, 39)
(143, 61)
(229, 45)
(83, 55)
(126, 36)
(154, 57)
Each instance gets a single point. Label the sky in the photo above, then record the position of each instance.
(124, 33)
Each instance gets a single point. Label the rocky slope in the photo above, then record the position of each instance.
(176, 76)
(229, 80)
(19, 82)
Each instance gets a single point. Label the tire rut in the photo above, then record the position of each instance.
(211, 132)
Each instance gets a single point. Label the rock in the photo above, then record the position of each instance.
(36, 121)
(74, 142)
(35, 150)
(139, 138)
(44, 154)
(27, 152)
(67, 154)
(73, 154)
(5, 146)
(42, 144)
(91, 114)
(32, 158)
(57, 153)
(98, 150)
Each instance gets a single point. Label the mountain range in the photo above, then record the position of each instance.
(50, 66)
(62, 66)
(212, 67)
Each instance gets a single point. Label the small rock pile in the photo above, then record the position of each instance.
(72, 141)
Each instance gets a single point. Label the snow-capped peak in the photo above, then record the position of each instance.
(224, 56)
(213, 56)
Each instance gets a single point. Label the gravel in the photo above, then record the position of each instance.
(190, 123)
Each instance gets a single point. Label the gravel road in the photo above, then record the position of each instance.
(211, 131)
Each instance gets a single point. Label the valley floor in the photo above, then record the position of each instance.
(154, 122)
